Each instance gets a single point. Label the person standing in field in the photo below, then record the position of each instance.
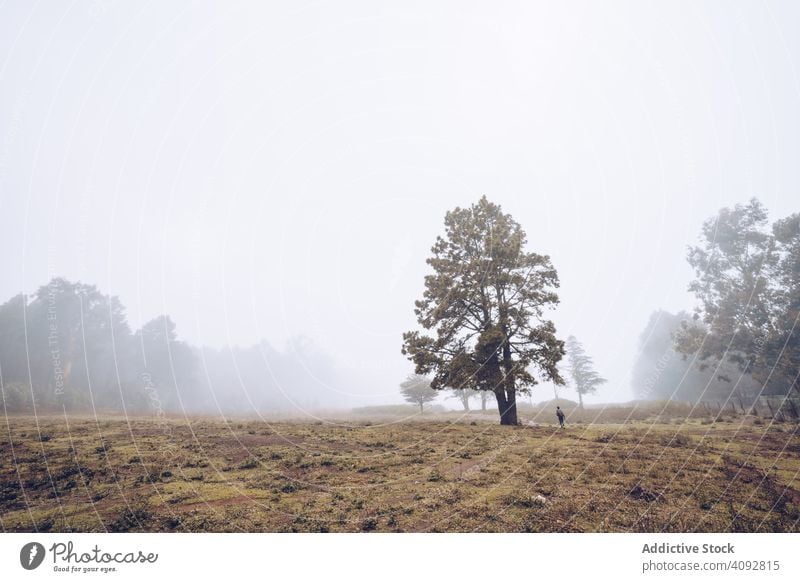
(560, 415)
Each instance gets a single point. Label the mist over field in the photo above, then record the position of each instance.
(272, 179)
(411, 266)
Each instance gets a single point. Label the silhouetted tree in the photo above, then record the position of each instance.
(581, 370)
(167, 365)
(71, 330)
(417, 390)
(14, 354)
(485, 398)
(69, 345)
(464, 395)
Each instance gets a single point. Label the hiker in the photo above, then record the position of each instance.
(560, 415)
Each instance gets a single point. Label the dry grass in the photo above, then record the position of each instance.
(457, 475)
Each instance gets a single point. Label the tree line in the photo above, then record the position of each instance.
(69, 346)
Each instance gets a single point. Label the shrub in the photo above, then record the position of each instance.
(134, 516)
(435, 476)
(249, 464)
(17, 397)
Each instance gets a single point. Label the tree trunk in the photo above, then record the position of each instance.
(511, 412)
(580, 400)
(484, 398)
(420, 407)
(507, 410)
(465, 402)
(510, 416)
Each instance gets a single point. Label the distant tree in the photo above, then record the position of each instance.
(464, 395)
(660, 372)
(782, 343)
(74, 335)
(70, 346)
(748, 288)
(16, 397)
(13, 348)
(417, 390)
(581, 370)
(167, 364)
(485, 303)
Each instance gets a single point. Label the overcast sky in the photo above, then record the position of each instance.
(266, 172)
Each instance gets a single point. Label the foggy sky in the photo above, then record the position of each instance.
(268, 172)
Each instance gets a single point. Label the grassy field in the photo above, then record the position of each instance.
(445, 474)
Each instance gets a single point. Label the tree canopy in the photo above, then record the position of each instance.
(484, 310)
(747, 283)
(417, 390)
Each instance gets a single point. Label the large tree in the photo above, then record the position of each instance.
(783, 344)
(748, 289)
(74, 336)
(417, 390)
(580, 366)
(484, 305)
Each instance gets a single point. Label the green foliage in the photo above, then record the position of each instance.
(748, 288)
(485, 304)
